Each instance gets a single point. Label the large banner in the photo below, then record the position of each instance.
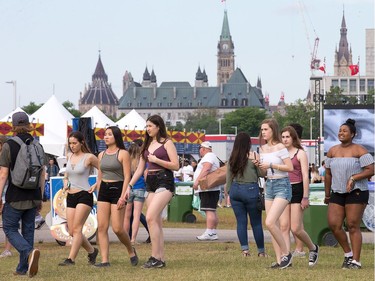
(364, 122)
(6, 129)
(185, 142)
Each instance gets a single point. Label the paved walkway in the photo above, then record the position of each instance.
(176, 235)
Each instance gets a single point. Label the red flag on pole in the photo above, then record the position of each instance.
(323, 68)
(354, 68)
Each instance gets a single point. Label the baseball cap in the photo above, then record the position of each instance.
(206, 144)
(20, 119)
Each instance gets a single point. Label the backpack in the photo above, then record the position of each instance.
(28, 167)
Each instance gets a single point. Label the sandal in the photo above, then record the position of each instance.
(246, 253)
(262, 255)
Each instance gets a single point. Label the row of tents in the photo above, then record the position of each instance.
(56, 119)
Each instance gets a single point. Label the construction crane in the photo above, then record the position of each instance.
(315, 63)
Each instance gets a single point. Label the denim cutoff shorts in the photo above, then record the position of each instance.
(137, 195)
(278, 188)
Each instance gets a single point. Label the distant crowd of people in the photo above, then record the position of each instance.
(146, 172)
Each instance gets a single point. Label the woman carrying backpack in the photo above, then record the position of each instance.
(79, 201)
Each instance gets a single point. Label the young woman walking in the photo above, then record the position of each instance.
(274, 158)
(242, 184)
(292, 217)
(113, 179)
(79, 200)
(161, 155)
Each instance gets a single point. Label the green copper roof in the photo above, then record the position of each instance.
(225, 32)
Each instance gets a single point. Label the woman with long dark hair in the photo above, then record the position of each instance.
(113, 179)
(79, 200)
(161, 155)
(292, 217)
(242, 184)
(348, 168)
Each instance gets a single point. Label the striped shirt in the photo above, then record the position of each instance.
(342, 168)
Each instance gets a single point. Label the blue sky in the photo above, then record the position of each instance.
(51, 46)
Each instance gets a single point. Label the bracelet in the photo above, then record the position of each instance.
(305, 198)
(327, 197)
(130, 185)
(352, 179)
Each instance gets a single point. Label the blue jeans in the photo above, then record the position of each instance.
(23, 242)
(243, 198)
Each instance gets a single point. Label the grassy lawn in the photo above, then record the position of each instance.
(194, 261)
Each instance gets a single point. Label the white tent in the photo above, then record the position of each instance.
(98, 118)
(55, 118)
(8, 117)
(132, 121)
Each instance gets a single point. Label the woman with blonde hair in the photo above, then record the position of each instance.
(274, 158)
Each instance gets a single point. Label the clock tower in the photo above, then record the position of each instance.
(225, 53)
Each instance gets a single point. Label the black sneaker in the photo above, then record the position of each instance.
(286, 261)
(67, 262)
(313, 256)
(154, 263)
(92, 257)
(346, 262)
(134, 260)
(103, 264)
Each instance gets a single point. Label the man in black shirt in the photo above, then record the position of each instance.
(21, 204)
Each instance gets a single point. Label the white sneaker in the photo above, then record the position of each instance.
(6, 254)
(207, 237)
(298, 254)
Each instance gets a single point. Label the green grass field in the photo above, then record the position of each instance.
(194, 261)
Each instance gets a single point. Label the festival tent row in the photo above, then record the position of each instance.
(132, 121)
(53, 122)
(56, 119)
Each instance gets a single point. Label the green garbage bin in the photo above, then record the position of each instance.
(315, 217)
(180, 208)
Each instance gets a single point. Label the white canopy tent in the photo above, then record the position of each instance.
(55, 118)
(8, 117)
(132, 121)
(98, 118)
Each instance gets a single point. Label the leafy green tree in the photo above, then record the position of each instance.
(370, 97)
(246, 119)
(31, 107)
(205, 119)
(70, 107)
(299, 112)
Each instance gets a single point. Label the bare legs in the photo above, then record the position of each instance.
(274, 209)
(155, 205)
(353, 214)
(108, 211)
(76, 218)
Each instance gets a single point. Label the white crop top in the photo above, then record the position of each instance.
(276, 158)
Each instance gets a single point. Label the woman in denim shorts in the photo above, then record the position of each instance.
(274, 158)
(136, 196)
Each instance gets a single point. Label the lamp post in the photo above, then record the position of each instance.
(311, 118)
(235, 129)
(220, 125)
(14, 92)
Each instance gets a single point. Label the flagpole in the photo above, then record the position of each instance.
(359, 81)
